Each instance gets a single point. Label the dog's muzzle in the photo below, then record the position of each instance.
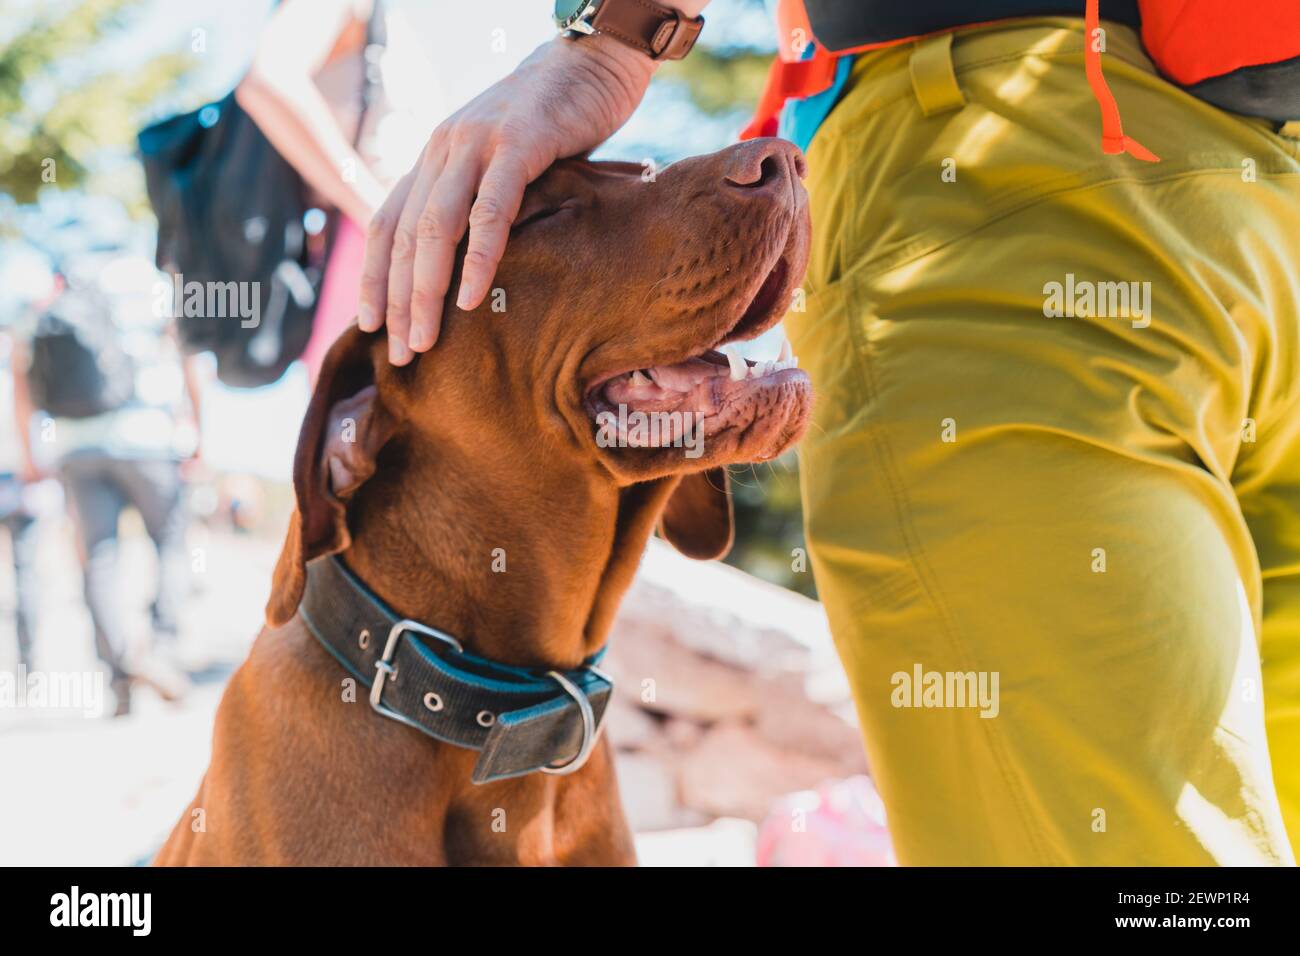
(521, 720)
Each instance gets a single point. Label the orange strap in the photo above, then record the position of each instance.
(1113, 140)
(790, 81)
(793, 30)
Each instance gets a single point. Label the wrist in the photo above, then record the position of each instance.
(610, 56)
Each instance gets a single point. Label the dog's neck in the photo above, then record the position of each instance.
(525, 569)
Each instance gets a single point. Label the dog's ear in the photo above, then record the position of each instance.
(345, 426)
(698, 518)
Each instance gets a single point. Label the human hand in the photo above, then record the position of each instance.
(566, 98)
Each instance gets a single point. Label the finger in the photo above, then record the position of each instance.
(379, 246)
(401, 269)
(499, 196)
(438, 233)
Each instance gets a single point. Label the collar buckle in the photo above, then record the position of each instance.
(384, 666)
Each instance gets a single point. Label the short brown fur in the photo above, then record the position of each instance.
(487, 444)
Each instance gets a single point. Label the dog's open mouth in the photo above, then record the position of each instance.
(764, 403)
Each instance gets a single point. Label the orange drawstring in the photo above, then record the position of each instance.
(1113, 140)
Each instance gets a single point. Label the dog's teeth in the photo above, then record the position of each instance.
(737, 365)
(786, 350)
(639, 378)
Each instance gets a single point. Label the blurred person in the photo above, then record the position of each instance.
(308, 91)
(123, 408)
(352, 140)
(243, 500)
(18, 473)
(979, 451)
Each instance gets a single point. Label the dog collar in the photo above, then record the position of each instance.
(519, 719)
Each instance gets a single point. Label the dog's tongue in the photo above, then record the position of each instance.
(684, 376)
(665, 386)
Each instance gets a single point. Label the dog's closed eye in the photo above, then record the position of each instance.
(538, 215)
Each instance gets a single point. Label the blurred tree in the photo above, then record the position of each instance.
(721, 80)
(57, 111)
(725, 72)
(769, 525)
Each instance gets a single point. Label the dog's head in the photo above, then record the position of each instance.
(597, 352)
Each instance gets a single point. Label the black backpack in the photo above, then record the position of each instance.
(78, 368)
(230, 214)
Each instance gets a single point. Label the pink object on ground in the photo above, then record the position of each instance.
(338, 295)
(842, 823)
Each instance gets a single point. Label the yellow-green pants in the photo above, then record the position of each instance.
(1082, 494)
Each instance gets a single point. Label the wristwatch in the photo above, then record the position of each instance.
(659, 32)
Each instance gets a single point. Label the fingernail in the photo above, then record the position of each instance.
(464, 297)
(398, 353)
(419, 340)
(366, 319)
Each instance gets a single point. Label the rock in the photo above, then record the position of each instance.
(649, 794)
(788, 719)
(734, 772)
(730, 695)
(666, 678)
(681, 734)
(724, 613)
(628, 726)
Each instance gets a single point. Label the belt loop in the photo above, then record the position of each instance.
(933, 77)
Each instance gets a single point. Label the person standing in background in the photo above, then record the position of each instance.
(305, 89)
(18, 473)
(129, 455)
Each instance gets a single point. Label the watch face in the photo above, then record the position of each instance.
(567, 11)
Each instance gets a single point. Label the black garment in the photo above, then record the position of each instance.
(841, 25)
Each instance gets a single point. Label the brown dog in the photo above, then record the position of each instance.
(508, 443)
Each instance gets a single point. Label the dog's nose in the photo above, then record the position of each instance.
(763, 162)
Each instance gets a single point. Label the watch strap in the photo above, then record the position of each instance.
(659, 32)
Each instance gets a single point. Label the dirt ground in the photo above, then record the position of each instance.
(86, 789)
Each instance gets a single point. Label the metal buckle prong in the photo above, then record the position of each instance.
(384, 666)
